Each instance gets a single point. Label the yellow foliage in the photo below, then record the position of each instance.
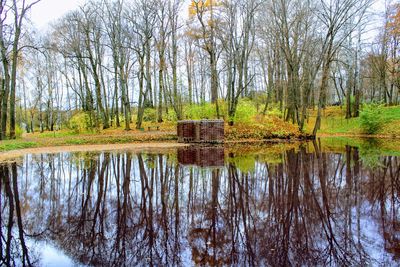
(195, 6)
(201, 5)
(393, 24)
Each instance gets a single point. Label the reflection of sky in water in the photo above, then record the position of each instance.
(192, 214)
(48, 255)
(372, 241)
(52, 257)
(371, 236)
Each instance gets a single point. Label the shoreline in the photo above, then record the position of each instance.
(134, 147)
(146, 145)
(151, 145)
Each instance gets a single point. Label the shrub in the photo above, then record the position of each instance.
(245, 112)
(371, 119)
(171, 116)
(275, 111)
(18, 131)
(150, 114)
(80, 122)
(197, 112)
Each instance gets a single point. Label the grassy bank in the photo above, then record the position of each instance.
(334, 123)
(261, 128)
(253, 128)
(65, 138)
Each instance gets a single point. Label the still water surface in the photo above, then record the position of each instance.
(291, 206)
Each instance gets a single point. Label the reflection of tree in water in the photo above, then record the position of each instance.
(382, 190)
(13, 250)
(116, 209)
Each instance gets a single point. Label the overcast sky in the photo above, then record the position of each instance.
(48, 10)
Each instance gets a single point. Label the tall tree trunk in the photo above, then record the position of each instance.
(231, 90)
(214, 76)
(189, 70)
(176, 97)
(4, 102)
(99, 101)
(149, 99)
(322, 93)
(116, 108)
(349, 90)
(13, 81)
(357, 78)
(5, 84)
(123, 81)
(161, 83)
(95, 66)
(142, 94)
(1, 98)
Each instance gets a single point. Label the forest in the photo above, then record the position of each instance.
(96, 168)
(121, 64)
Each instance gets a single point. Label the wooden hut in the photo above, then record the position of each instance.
(201, 131)
(186, 131)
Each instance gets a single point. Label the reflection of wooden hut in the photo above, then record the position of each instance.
(202, 156)
(203, 131)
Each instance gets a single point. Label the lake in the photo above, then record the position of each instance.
(266, 205)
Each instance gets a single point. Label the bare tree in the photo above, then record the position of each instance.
(119, 45)
(141, 19)
(238, 43)
(204, 12)
(173, 12)
(10, 53)
(334, 17)
(92, 43)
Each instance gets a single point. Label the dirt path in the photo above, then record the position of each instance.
(11, 155)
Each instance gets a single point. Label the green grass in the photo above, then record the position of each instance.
(8, 145)
(77, 142)
(99, 140)
(392, 113)
(56, 134)
(67, 138)
(334, 125)
(334, 122)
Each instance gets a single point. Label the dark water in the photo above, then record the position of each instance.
(287, 207)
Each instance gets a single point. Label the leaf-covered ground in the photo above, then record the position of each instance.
(259, 128)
